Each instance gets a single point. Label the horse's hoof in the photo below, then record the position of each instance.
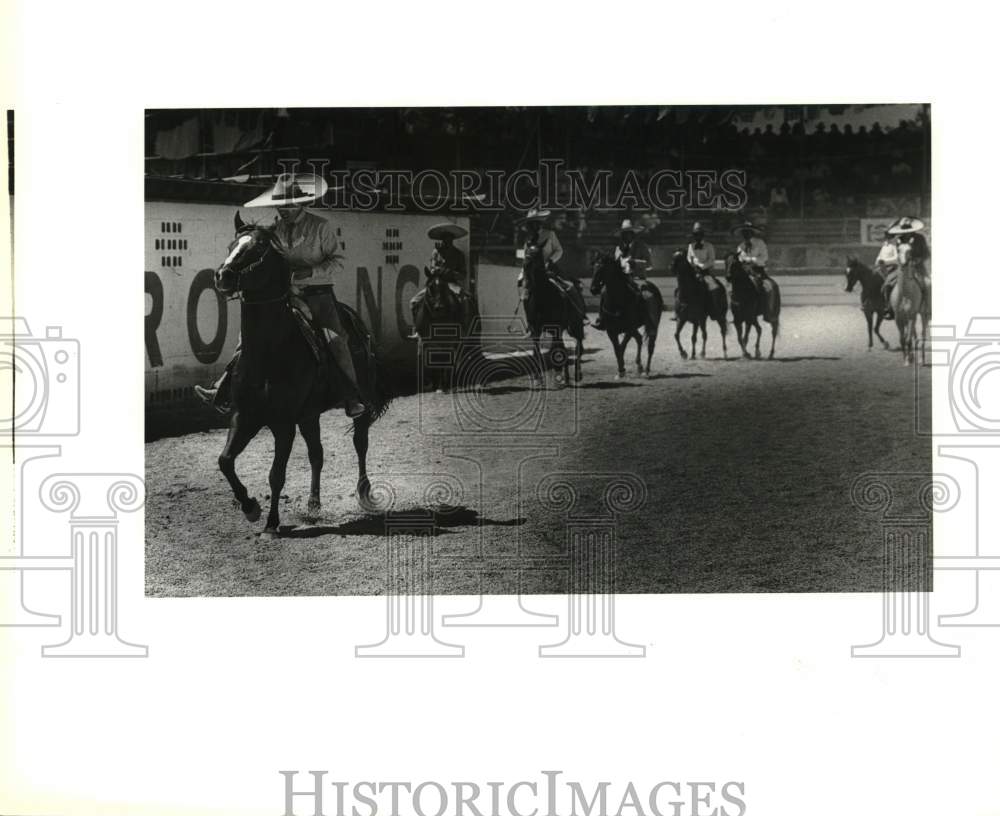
(313, 507)
(269, 533)
(252, 512)
(364, 487)
(438, 390)
(684, 355)
(620, 375)
(770, 356)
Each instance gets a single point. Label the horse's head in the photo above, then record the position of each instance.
(734, 267)
(249, 266)
(903, 251)
(679, 264)
(601, 264)
(853, 272)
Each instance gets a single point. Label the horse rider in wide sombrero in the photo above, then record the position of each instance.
(905, 230)
(310, 245)
(633, 257)
(540, 238)
(448, 261)
(752, 252)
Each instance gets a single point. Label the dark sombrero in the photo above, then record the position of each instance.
(747, 225)
(441, 231)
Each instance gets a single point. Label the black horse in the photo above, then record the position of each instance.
(748, 304)
(278, 380)
(550, 310)
(448, 334)
(872, 299)
(698, 298)
(625, 309)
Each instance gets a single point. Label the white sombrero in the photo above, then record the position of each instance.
(535, 214)
(628, 226)
(440, 231)
(905, 225)
(290, 190)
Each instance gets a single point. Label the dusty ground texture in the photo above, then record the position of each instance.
(747, 467)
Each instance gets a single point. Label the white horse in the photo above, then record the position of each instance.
(910, 299)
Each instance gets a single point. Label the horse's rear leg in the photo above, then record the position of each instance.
(868, 320)
(240, 434)
(361, 426)
(310, 432)
(722, 330)
(578, 360)
(756, 325)
(284, 436)
(774, 337)
(638, 351)
(704, 335)
(560, 357)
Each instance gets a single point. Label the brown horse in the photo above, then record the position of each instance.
(625, 309)
(872, 300)
(550, 310)
(697, 299)
(277, 381)
(748, 304)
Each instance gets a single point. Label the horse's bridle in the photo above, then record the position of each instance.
(238, 293)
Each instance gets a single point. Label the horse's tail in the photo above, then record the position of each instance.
(777, 310)
(374, 379)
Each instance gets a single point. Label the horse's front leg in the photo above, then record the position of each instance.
(537, 368)
(868, 320)
(284, 436)
(578, 361)
(704, 336)
(310, 433)
(619, 349)
(677, 337)
(240, 434)
(361, 426)
(756, 325)
(694, 339)
(878, 324)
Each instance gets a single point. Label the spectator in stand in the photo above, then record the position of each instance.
(779, 203)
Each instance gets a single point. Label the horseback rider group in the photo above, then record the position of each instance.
(311, 246)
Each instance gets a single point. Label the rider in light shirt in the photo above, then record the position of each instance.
(310, 245)
(701, 253)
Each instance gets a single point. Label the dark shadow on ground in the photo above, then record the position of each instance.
(683, 375)
(429, 521)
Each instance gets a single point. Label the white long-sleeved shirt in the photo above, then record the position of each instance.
(755, 254)
(888, 255)
(702, 257)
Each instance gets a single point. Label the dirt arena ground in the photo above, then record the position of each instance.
(747, 468)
